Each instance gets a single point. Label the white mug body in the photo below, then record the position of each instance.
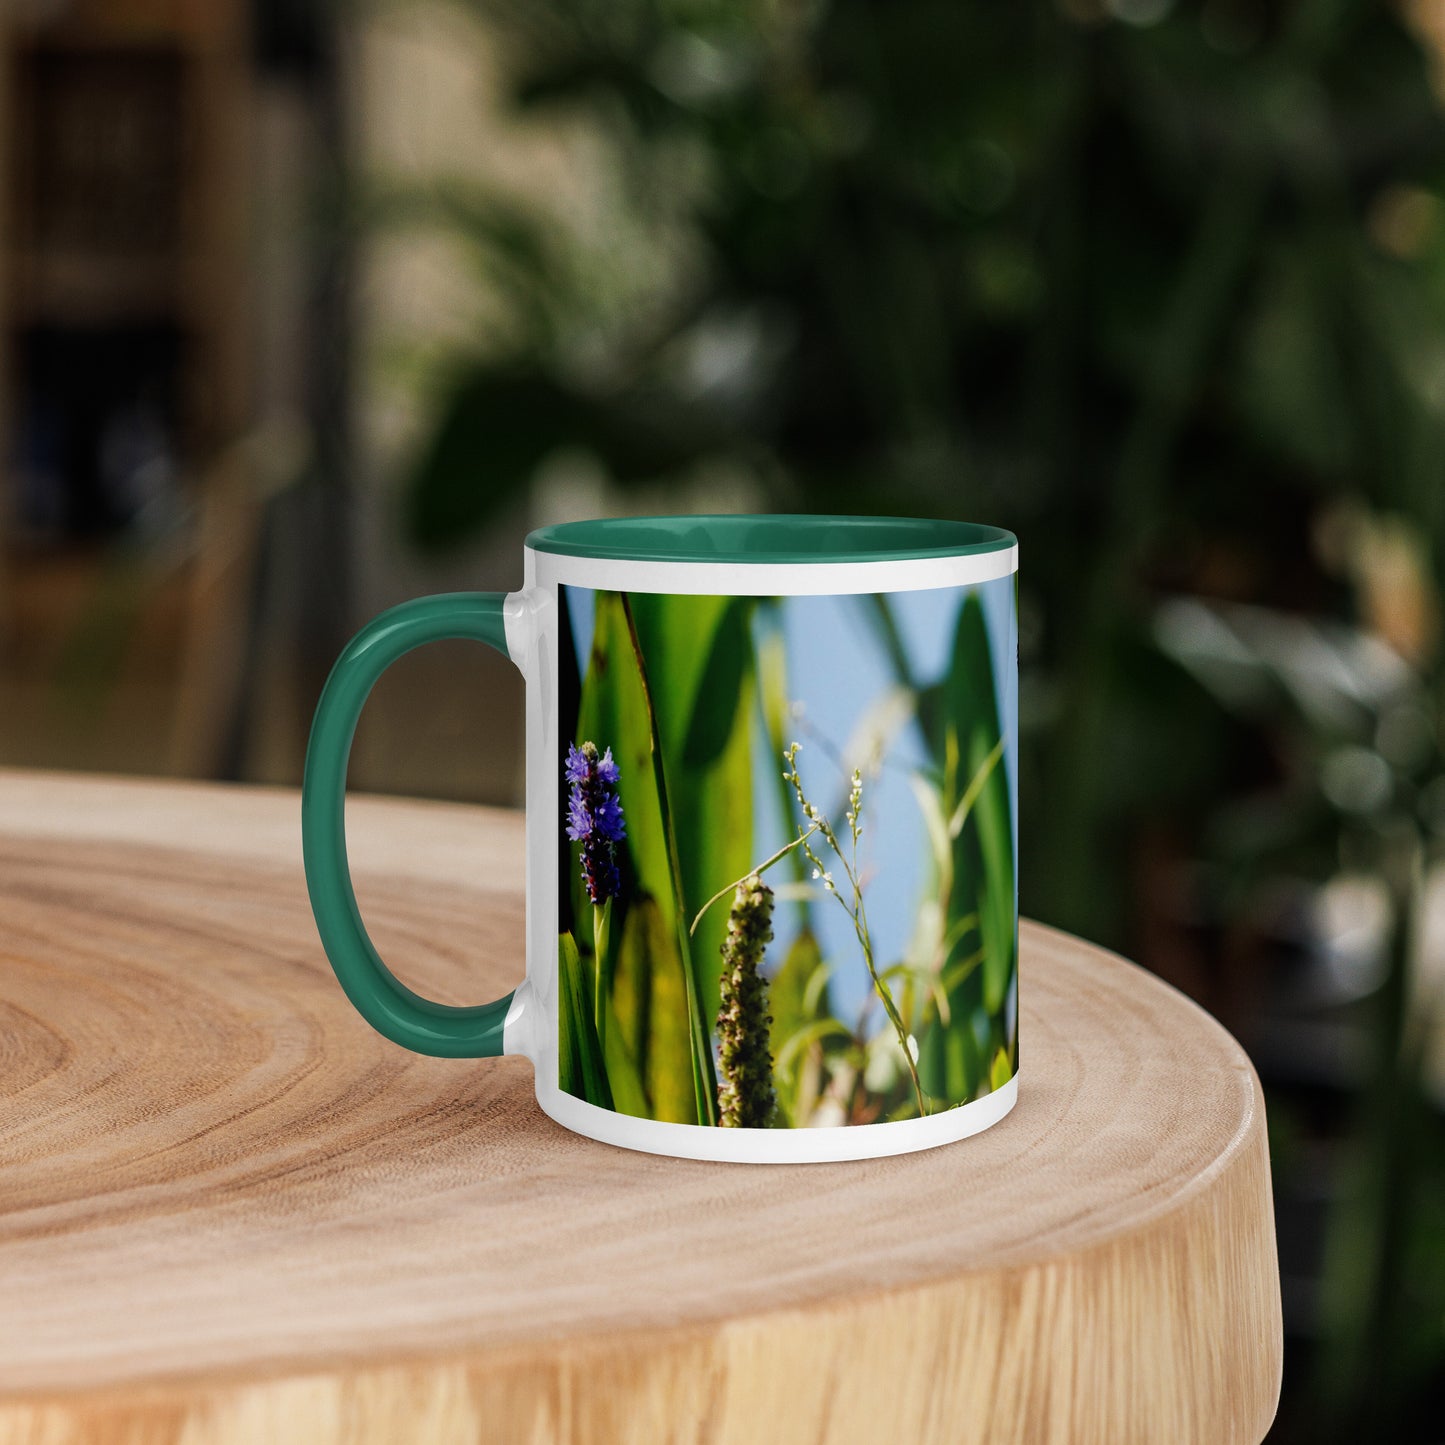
(960, 978)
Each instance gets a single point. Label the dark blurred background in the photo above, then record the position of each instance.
(307, 307)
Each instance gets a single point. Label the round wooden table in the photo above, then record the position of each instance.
(230, 1212)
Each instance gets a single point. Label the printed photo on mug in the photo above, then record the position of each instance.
(787, 833)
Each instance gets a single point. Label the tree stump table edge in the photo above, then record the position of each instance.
(1164, 1329)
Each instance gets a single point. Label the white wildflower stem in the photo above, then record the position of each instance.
(855, 909)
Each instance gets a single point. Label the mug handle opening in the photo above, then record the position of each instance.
(391, 1008)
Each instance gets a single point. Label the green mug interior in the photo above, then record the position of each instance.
(775, 539)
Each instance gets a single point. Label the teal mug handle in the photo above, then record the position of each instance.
(383, 1001)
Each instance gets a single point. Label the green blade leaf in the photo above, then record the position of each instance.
(695, 793)
(649, 1009)
(580, 1068)
(701, 668)
(966, 742)
(983, 851)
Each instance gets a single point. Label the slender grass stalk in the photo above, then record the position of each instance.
(703, 1077)
(855, 910)
(751, 873)
(885, 997)
(975, 787)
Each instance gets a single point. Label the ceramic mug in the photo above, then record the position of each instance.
(771, 832)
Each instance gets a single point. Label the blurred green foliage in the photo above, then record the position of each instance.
(1144, 284)
(1161, 286)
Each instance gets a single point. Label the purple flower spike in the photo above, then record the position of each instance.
(576, 769)
(594, 817)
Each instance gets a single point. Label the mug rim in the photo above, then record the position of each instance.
(779, 538)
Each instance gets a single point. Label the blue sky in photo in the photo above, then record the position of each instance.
(838, 670)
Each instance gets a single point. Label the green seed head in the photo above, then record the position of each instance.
(745, 1091)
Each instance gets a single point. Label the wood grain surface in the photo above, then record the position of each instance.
(229, 1212)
